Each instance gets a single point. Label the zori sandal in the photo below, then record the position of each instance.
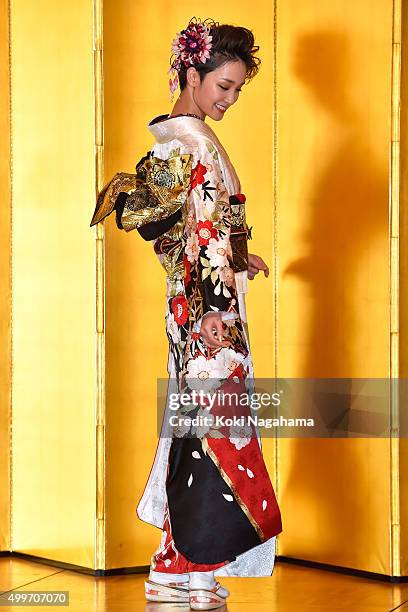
(208, 599)
(169, 593)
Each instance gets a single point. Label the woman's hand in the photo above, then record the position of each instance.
(212, 330)
(256, 263)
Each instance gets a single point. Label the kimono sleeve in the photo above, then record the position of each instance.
(211, 283)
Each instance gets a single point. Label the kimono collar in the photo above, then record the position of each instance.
(174, 127)
(187, 130)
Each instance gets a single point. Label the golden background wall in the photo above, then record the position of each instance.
(334, 84)
(310, 140)
(53, 281)
(5, 280)
(316, 181)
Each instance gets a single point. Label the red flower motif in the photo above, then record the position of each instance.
(206, 231)
(196, 335)
(187, 268)
(197, 175)
(179, 309)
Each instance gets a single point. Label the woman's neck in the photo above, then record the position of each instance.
(185, 105)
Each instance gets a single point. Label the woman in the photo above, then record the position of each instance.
(208, 490)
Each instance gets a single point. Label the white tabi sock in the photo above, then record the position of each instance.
(166, 578)
(202, 580)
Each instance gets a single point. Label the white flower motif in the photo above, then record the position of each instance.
(240, 442)
(230, 360)
(196, 455)
(227, 275)
(228, 497)
(264, 504)
(206, 422)
(173, 328)
(221, 361)
(167, 562)
(192, 249)
(190, 480)
(217, 252)
(240, 435)
(241, 467)
(199, 371)
(205, 373)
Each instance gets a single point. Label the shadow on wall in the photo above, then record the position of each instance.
(347, 216)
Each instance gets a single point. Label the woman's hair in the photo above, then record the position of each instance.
(228, 43)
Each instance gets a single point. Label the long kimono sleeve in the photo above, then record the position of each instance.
(211, 283)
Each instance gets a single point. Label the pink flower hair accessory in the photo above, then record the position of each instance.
(190, 47)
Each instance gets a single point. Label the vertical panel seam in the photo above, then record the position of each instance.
(11, 371)
(275, 226)
(394, 288)
(100, 421)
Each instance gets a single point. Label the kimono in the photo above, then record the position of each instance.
(185, 197)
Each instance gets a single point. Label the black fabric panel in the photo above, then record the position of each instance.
(153, 230)
(206, 527)
(149, 231)
(119, 206)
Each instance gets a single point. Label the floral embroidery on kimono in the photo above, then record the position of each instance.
(206, 282)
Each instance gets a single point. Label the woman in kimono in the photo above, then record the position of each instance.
(209, 489)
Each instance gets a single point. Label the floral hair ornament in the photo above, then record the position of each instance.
(191, 46)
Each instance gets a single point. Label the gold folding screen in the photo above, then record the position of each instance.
(315, 140)
(5, 279)
(54, 373)
(400, 196)
(334, 88)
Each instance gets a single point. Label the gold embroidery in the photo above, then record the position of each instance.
(162, 193)
(156, 191)
(171, 248)
(238, 236)
(174, 265)
(122, 181)
(238, 215)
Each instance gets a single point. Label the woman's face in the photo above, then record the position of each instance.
(219, 89)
